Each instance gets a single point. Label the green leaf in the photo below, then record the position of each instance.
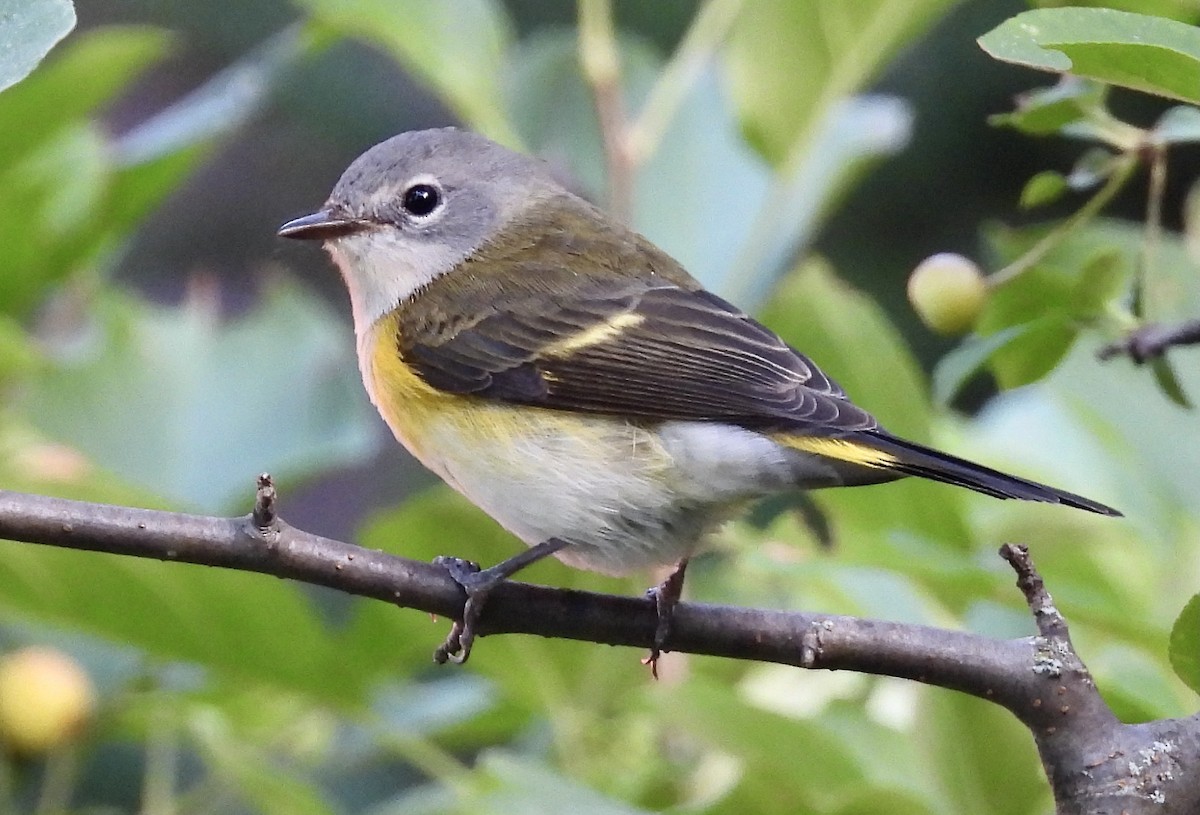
(239, 623)
(854, 133)
(850, 337)
(51, 199)
(18, 353)
(873, 802)
(1183, 10)
(458, 48)
(28, 30)
(1185, 644)
(1083, 439)
(1034, 352)
(983, 757)
(1179, 125)
(1102, 280)
(513, 784)
(74, 196)
(1135, 51)
(219, 106)
(1137, 683)
(419, 709)
(86, 73)
(956, 368)
(1044, 188)
(791, 62)
(1045, 111)
(767, 742)
(702, 160)
(1095, 165)
(176, 401)
(1072, 284)
(1168, 382)
(269, 787)
(543, 73)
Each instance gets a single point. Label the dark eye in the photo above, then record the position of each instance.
(421, 200)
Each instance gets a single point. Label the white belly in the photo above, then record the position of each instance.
(624, 497)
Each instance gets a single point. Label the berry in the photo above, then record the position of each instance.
(948, 292)
(46, 699)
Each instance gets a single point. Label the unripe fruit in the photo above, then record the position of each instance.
(947, 291)
(45, 700)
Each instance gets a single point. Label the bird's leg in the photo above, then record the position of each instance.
(666, 596)
(478, 584)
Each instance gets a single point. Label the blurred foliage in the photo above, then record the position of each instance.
(31, 29)
(233, 692)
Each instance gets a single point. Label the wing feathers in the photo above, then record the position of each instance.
(658, 351)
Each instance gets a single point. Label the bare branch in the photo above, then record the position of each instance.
(1095, 763)
(1152, 341)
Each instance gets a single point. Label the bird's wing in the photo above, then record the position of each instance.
(656, 352)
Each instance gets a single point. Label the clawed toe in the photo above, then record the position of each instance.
(477, 584)
(459, 568)
(665, 596)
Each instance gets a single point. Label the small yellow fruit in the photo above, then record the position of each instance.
(45, 699)
(947, 291)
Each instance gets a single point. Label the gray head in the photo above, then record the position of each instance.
(412, 207)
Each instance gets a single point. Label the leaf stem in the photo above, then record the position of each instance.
(1152, 235)
(1122, 171)
(706, 33)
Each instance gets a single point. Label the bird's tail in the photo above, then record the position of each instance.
(888, 456)
(910, 458)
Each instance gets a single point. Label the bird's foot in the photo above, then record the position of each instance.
(478, 585)
(666, 596)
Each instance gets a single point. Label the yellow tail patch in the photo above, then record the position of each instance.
(839, 449)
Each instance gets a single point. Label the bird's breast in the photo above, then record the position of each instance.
(626, 495)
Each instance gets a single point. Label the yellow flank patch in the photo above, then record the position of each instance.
(425, 419)
(839, 449)
(595, 335)
(405, 400)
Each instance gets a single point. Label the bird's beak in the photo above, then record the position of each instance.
(320, 226)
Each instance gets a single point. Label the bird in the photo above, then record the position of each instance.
(574, 381)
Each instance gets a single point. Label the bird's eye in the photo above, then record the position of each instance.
(420, 200)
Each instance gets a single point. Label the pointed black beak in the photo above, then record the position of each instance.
(322, 225)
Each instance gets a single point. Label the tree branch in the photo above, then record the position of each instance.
(1152, 341)
(1095, 763)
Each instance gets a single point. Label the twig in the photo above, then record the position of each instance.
(1095, 763)
(263, 514)
(1156, 156)
(1050, 622)
(1152, 341)
(601, 63)
(1122, 171)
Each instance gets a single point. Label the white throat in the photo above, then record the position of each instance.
(381, 268)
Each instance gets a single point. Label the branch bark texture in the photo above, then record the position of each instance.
(1095, 764)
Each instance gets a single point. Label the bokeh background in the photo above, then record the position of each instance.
(161, 347)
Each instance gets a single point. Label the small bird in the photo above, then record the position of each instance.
(575, 382)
